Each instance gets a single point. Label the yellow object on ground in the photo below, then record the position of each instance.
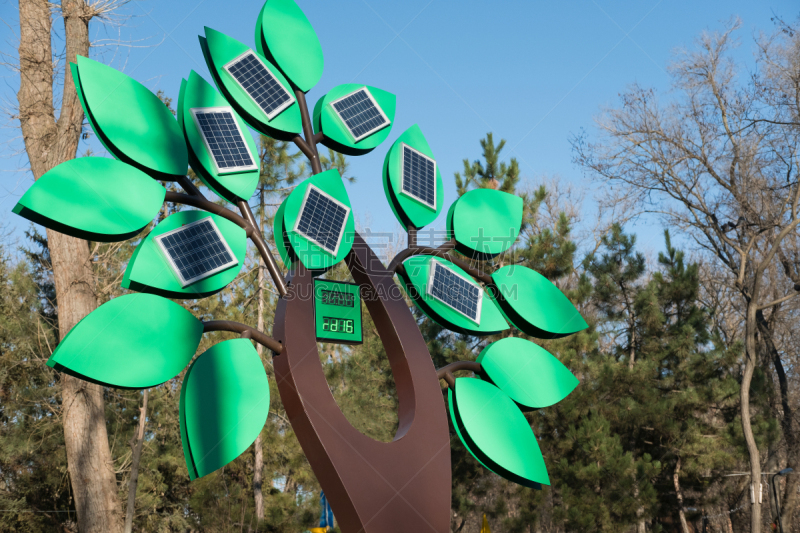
(319, 530)
(485, 526)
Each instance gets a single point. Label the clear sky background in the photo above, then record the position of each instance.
(532, 72)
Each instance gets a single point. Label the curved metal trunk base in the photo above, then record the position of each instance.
(373, 487)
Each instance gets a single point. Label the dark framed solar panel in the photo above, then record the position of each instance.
(419, 176)
(322, 219)
(196, 251)
(456, 292)
(360, 113)
(224, 139)
(260, 84)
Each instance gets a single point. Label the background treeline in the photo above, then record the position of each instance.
(651, 440)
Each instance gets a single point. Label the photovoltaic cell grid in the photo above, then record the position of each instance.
(419, 176)
(455, 291)
(322, 219)
(224, 139)
(196, 251)
(260, 84)
(360, 113)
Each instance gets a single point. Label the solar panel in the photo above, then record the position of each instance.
(196, 251)
(260, 84)
(419, 176)
(224, 139)
(454, 291)
(360, 113)
(322, 219)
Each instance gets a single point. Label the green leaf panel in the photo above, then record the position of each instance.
(496, 432)
(337, 136)
(135, 341)
(235, 186)
(148, 270)
(534, 305)
(133, 123)
(485, 222)
(297, 247)
(282, 238)
(93, 198)
(526, 372)
(408, 210)
(285, 37)
(219, 50)
(415, 280)
(223, 407)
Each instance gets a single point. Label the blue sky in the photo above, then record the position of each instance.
(532, 72)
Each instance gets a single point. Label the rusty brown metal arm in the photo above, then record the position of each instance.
(189, 187)
(446, 372)
(310, 140)
(263, 248)
(211, 207)
(416, 250)
(441, 251)
(246, 331)
(248, 224)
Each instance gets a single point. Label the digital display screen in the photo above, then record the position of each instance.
(334, 325)
(339, 298)
(337, 312)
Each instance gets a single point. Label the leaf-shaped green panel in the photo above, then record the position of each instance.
(295, 245)
(533, 304)
(219, 50)
(93, 198)
(131, 121)
(224, 405)
(415, 276)
(196, 93)
(485, 222)
(495, 431)
(149, 271)
(285, 37)
(337, 136)
(135, 341)
(409, 209)
(526, 372)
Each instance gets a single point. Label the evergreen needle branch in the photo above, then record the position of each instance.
(238, 327)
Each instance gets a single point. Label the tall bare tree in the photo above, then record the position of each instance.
(721, 162)
(51, 139)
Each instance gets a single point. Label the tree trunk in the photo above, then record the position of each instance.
(676, 480)
(137, 442)
(373, 486)
(49, 142)
(744, 401)
(790, 494)
(258, 461)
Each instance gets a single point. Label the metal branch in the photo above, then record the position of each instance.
(189, 187)
(308, 133)
(415, 250)
(237, 327)
(263, 248)
(202, 203)
(248, 224)
(476, 273)
(446, 372)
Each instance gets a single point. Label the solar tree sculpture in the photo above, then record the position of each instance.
(143, 339)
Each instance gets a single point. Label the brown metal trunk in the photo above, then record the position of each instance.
(373, 486)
